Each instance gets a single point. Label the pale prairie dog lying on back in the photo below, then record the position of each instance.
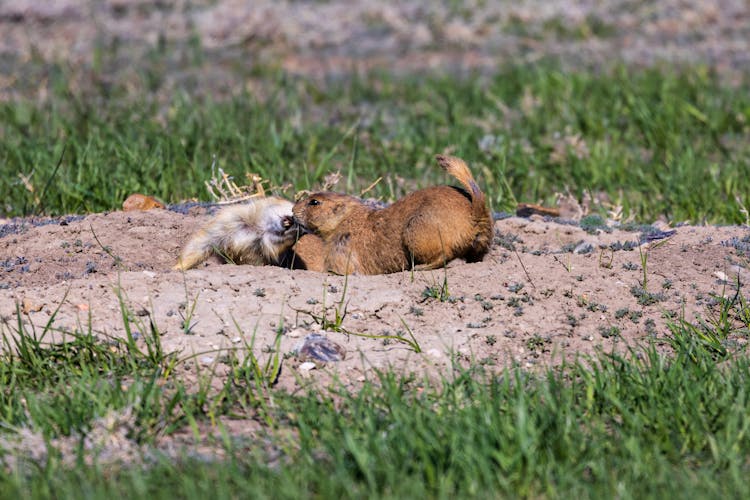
(258, 232)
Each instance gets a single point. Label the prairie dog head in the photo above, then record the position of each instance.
(255, 232)
(275, 222)
(321, 213)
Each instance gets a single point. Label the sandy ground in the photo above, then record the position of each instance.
(533, 305)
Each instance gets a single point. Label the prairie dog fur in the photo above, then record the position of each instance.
(258, 232)
(423, 230)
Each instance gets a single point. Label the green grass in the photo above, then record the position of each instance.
(658, 142)
(643, 424)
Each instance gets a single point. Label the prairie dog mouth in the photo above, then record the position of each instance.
(290, 224)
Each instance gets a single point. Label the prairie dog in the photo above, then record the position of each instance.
(258, 232)
(423, 230)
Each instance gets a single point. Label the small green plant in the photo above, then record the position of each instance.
(186, 310)
(609, 331)
(728, 317)
(572, 320)
(387, 339)
(593, 223)
(117, 260)
(537, 343)
(149, 333)
(568, 265)
(644, 266)
(339, 309)
(594, 307)
(256, 377)
(437, 291)
(646, 298)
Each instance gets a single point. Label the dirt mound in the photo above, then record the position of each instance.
(546, 290)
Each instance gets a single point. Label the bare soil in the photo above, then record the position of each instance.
(536, 304)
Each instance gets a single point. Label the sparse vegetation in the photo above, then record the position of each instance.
(646, 298)
(438, 291)
(609, 331)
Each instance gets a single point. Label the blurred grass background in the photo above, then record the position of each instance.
(659, 142)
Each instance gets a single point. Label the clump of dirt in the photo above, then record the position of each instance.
(548, 290)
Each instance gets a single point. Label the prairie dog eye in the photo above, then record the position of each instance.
(313, 202)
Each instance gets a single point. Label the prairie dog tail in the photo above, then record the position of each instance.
(200, 247)
(481, 216)
(458, 169)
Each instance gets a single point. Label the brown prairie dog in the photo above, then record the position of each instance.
(423, 230)
(258, 232)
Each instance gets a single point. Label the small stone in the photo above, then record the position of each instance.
(584, 248)
(435, 353)
(149, 274)
(317, 347)
(295, 333)
(306, 366)
(29, 306)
